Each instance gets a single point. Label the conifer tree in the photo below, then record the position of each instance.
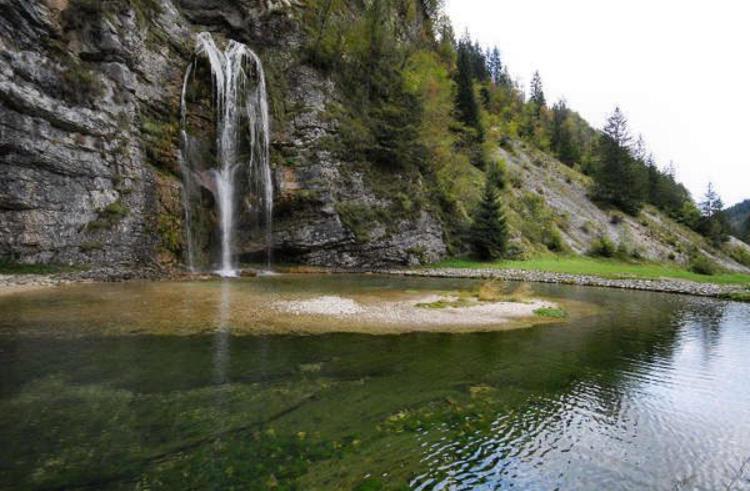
(561, 138)
(495, 66)
(618, 180)
(489, 232)
(466, 101)
(537, 91)
(713, 224)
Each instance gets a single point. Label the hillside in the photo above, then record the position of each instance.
(385, 130)
(739, 218)
(547, 195)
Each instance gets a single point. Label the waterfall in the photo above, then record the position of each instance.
(240, 100)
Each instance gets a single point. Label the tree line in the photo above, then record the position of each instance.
(425, 104)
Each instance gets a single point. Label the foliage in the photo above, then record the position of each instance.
(489, 232)
(740, 254)
(702, 265)
(619, 181)
(713, 223)
(603, 247)
(359, 218)
(79, 12)
(109, 216)
(80, 85)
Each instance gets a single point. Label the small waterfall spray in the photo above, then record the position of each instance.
(239, 100)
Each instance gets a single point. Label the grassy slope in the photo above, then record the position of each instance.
(605, 268)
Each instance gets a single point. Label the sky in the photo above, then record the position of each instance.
(680, 70)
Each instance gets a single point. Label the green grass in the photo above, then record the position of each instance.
(552, 313)
(604, 268)
(737, 296)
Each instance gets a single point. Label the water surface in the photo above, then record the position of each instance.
(652, 392)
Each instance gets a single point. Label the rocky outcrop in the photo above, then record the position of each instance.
(89, 96)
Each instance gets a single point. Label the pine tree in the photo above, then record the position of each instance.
(713, 223)
(466, 101)
(495, 66)
(561, 138)
(712, 203)
(537, 91)
(489, 232)
(619, 181)
(746, 231)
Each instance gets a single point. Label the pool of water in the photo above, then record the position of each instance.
(152, 386)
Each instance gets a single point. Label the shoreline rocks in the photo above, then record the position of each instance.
(664, 285)
(10, 283)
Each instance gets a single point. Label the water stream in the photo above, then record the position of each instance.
(240, 105)
(166, 385)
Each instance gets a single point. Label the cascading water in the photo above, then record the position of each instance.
(242, 144)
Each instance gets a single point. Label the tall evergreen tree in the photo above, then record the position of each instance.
(561, 137)
(618, 179)
(489, 231)
(537, 91)
(713, 224)
(712, 203)
(466, 100)
(495, 66)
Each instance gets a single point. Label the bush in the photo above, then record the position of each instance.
(603, 247)
(741, 255)
(552, 238)
(702, 265)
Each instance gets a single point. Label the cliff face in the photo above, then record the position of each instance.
(89, 122)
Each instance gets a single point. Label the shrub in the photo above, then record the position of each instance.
(603, 247)
(740, 254)
(702, 265)
(552, 238)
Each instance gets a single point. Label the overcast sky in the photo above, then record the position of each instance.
(680, 70)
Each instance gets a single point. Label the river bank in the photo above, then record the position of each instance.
(13, 283)
(664, 285)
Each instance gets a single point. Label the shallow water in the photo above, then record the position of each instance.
(97, 391)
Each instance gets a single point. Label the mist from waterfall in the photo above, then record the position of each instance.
(240, 100)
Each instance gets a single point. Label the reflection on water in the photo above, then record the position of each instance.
(222, 336)
(652, 393)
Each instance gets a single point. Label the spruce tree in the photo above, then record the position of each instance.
(489, 232)
(619, 181)
(561, 138)
(713, 223)
(495, 66)
(466, 100)
(537, 91)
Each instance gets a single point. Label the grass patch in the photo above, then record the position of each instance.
(445, 304)
(108, 216)
(737, 296)
(552, 313)
(604, 268)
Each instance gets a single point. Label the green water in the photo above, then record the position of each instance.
(653, 392)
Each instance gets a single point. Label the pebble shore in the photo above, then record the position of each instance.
(656, 285)
(19, 282)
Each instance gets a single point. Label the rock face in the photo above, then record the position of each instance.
(89, 170)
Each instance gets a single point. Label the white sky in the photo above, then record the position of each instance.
(680, 70)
